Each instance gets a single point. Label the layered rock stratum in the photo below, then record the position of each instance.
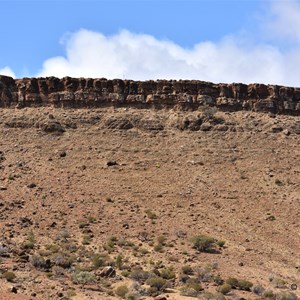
(184, 94)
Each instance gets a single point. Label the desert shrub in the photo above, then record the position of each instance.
(161, 239)
(224, 288)
(9, 276)
(53, 248)
(204, 274)
(39, 262)
(244, 285)
(132, 296)
(218, 280)
(194, 285)
(167, 273)
(121, 291)
(188, 292)
(97, 261)
(83, 277)
(125, 273)
(233, 282)
(150, 214)
(287, 296)
(157, 282)
(221, 243)
(139, 275)
(119, 261)
(62, 261)
(158, 247)
(30, 240)
(203, 243)
(269, 294)
(188, 270)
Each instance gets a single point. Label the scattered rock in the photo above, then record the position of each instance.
(62, 153)
(108, 271)
(111, 163)
(31, 185)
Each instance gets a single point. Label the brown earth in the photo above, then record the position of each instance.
(115, 181)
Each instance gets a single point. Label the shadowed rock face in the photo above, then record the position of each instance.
(182, 94)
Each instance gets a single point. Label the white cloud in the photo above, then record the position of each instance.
(141, 56)
(283, 19)
(7, 71)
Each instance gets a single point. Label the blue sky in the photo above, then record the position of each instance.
(215, 40)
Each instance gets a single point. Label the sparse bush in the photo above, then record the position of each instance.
(119, 261)
(167, 273)
(224, 288)
(233, 282)
(244, 285)
(30, 241)
(62, 261)
(188, 270)
(139, 275)
(269, 294)
(188, 292)
(157, 282)
(287, 296)
(158, 248)
(221, 243)
(83, 277)
(203, 243)
(40, 263)
(161, 239)
(121, 291)
(97, 260)
(9, 276)
(150, 214)
(125, 273)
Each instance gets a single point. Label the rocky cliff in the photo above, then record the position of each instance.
(183, 94)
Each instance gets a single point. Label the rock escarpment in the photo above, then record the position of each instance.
(182, 94)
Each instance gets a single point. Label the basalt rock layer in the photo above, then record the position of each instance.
(182, 94)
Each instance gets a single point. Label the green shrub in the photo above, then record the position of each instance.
(157, 282)
(244, 285)
(167, 273)
(188, 292)
(30, 241)
(224, 288)
(269, 294)
(121, 291)
(83, 277)
(287, 296)
(139, 275)
(203, 243)
(221, 243)
(119, 261)
(188, 270)
(97, 261)
(158, 248)
(233, 282)
(9, 276)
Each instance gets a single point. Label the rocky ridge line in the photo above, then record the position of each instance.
(70, 92)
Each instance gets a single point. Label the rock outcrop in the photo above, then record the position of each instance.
(183, 94)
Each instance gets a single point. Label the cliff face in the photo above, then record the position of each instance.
(184, 94)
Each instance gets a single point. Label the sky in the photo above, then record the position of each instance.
(213, 40)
